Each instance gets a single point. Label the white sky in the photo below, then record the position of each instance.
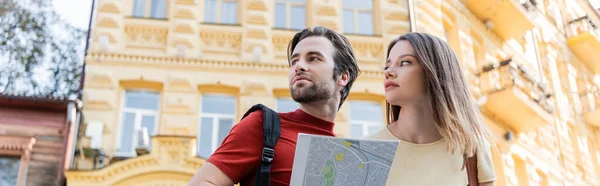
(76, 12)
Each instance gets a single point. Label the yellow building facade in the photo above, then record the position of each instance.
(165, 80)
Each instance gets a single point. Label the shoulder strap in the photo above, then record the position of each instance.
(271, 126)
(472, 170)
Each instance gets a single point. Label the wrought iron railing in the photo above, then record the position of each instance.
(582, 25)
(508, 74)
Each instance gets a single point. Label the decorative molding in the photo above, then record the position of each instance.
(109, 7)
(256, 33)
(326, 10)
(107, 22)
(184, 28)
(219, 42)
(169, 154)
(280, 44)
(186, 63)
(146, 37)
(18, 146)
(99, 80)
(260, 5)
(16, 143)
(397, 15)
(186, 2)
(368, 49)
(184, 14)
(257, 18)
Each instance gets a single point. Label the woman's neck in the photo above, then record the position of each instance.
(415, 124)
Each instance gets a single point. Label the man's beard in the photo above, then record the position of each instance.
(310, 93)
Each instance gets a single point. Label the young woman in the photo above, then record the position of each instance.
(431, 112)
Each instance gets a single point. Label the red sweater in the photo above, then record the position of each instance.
(240, 153)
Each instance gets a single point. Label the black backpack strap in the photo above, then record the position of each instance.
(271, 126)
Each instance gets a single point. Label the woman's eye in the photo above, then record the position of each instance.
(402, 63)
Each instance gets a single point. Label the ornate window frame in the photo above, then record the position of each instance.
(18, 146)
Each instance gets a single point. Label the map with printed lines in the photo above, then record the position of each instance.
(331, 161)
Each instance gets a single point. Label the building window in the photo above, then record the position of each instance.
(216, 120)
(156, 9)
(139, 115)
(290, 14)
(287, 105)
(358, 17)
(365, 118)
(9, 170)
(221, 11)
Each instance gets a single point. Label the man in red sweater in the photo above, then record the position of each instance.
(322, 71)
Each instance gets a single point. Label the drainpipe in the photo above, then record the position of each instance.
(412, 16)
(79, 119)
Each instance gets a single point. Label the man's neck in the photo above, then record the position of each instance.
(416, 124)
(325, 110)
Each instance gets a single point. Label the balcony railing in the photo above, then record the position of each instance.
(582, 25)
(508, 74)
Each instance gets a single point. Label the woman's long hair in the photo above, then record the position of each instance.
(455, 113)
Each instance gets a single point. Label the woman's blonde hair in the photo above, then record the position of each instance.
(456, 115)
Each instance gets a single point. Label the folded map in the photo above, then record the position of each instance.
(329, 161)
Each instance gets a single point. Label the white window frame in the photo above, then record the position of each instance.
(364, 123)
(137, 122)
(365, 126)
(148, 9)
(283, 99)
(355, 12)
(215, 125)
(288, 10)
(219, 12)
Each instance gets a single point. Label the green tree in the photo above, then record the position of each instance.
(40, 54)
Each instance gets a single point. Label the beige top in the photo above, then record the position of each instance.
(431, 164)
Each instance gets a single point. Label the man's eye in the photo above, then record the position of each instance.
(314, 59)
(293, 61)
(385, 68)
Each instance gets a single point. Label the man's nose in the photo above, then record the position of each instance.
(301, 66)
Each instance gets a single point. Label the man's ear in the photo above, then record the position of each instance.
(343, 79)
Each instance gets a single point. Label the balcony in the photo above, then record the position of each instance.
(590, 103)
(507, 18)
(584, 41)
(515, 97)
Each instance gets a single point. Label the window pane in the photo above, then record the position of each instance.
(218, 104)
(229, 12)
(224, 128)
(365, 23)
(158, 9)
(366, 111)
(348, 21)
(210, 11)
(286, 105)
(356, 130)
(138, 8)
(280, 18)
(298, 20)
(149, 122)
(141, 100)
(127, 133)
(205, 143)
(362, 4)
(9, 170)
(374, 128)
